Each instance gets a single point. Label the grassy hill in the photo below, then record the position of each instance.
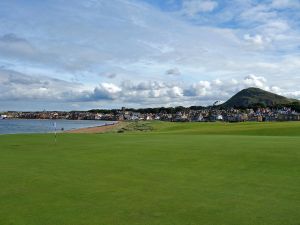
(253, 96)
(169, 173)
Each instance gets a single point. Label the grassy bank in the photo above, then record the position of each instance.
(154, 173)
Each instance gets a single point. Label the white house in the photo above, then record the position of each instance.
(2, 117)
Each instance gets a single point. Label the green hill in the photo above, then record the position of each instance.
(255, 96)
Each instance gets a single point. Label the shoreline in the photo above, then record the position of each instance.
(94, 130)
(41, 126)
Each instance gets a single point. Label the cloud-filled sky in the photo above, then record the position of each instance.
(72, 55)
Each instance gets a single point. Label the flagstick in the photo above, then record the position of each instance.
(55, 132)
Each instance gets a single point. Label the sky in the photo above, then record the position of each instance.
(80, 55)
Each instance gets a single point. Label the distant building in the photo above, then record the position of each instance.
(2, 117)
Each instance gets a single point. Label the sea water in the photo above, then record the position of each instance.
(16, 126)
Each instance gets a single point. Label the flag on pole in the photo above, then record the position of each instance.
(54, 125)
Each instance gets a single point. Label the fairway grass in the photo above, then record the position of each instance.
(173, 174)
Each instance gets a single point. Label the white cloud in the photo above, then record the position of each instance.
(255, 39)
(20, 87)
(293, 94)
(270, 25)
(193, 7)
(16, 86)
(217, 82)
(105, 91)
(281, 4)
(175, 92)
(255, 81)
(259, 13)
(110, 88)
(224, 89)
(86, 42)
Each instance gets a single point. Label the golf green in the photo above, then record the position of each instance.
(174, 173)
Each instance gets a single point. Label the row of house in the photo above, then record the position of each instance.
(185, 115)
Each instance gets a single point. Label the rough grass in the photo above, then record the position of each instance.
(220, 128)
(174, 173)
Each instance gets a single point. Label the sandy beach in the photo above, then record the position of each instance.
(98, 129)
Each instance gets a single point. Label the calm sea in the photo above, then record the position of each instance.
(45, 126)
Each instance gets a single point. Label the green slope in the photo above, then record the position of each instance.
(252, 96)
(177, 174)
(219, 128)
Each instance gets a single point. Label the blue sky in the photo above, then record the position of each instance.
(72, 55)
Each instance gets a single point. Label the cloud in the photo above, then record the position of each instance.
(174, 72)
(221, 90)
(105, 91)
(139, 93)
(193, 7)
(259, 13)
(293, 94)
(175, 92)
(17, 86)
(255, 39)
(272, 24)
(21, 87)
(282, 4)
(25, 88)
(109, 75)
(201, 88)
(13, 46)
(215, 44)
(255, 81)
